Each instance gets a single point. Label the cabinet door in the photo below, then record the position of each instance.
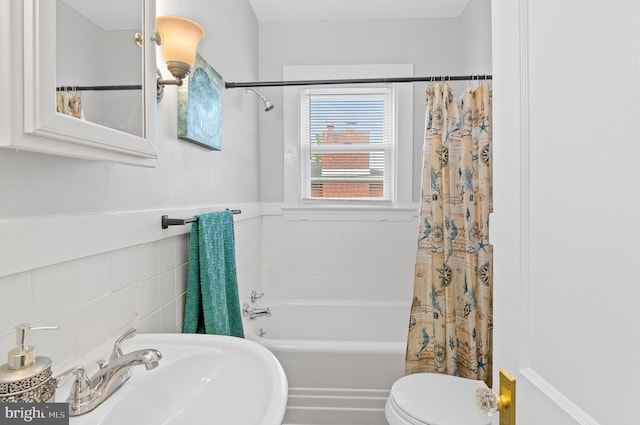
(33, 121)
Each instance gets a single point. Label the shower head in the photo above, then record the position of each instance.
(267, 105)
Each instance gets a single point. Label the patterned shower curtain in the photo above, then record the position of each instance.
(450, 327)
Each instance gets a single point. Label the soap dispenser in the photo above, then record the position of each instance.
(26, 378)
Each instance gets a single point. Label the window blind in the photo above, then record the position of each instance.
(346, 144)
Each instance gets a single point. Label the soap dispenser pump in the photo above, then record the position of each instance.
(26, 377)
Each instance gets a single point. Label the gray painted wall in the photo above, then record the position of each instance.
(434, 46)
(186, 174)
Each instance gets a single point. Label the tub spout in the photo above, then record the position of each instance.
(255, 312)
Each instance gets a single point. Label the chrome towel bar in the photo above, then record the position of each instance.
(166, 221)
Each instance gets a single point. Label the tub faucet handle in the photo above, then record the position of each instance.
(256, 296)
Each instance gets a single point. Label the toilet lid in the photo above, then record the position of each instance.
(436, 399)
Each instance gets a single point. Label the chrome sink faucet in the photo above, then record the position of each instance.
(88, 393)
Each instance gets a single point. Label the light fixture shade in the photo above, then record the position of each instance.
(180, 38)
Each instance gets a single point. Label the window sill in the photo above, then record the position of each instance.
(334, 212)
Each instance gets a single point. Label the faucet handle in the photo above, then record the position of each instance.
(81, 386)
(256, 296)
(117, 350)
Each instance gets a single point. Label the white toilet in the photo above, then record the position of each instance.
(434, 399)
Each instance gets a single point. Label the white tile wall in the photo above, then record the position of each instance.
(340, 256)
(248, 239)
(96, 298)
(15, 300)
(54, 291)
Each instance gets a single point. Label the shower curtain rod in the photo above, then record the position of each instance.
(231, 85)
(99, 88)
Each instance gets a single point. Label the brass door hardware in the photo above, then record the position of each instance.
(505, 403)
(507, 398)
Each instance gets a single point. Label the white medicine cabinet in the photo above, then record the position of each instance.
(85, 49)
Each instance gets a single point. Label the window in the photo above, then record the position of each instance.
(400, 172)
(347, 144)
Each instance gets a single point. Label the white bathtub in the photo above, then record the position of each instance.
(341, 358)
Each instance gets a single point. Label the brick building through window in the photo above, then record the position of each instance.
(346, 140)
(346, 174)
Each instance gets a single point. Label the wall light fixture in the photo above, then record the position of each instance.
(179, 38)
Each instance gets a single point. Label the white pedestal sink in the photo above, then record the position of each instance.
(201, 379)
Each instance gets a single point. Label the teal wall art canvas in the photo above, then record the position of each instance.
(200, 106)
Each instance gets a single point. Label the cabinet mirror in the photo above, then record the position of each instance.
(87, 77)
(99, 64)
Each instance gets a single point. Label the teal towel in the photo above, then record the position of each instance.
(212, 305)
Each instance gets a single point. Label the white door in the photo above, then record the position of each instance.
(566, 226)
